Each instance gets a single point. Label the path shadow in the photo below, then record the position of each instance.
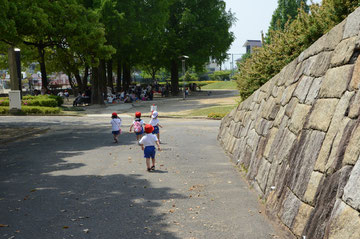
(36, 204)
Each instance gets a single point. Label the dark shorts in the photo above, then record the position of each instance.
(149, 152)
(116, 132)
(141, 132)
(156, 130)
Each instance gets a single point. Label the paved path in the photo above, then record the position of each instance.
(73, 182)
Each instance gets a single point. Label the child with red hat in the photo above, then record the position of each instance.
(148, 142)
(115, 123)
(138, 125)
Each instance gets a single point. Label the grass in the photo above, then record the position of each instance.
(216, 112)
(221, 85)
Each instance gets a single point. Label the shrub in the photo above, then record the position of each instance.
(59, 99)
(216, 115)
(40, 110)
(32, 110)
(285, 45)
(4, 110)
(4, 101)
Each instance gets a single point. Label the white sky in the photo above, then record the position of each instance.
(252, 18)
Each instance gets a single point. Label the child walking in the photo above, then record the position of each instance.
(147, 143)
(138, 126)
(155, 123)
(116, 124)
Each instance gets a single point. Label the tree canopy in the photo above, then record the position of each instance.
(74, 36)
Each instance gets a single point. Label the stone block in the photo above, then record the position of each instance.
(290, 209)
(339, 146)
(312, 187)
(302, 69)
(354, 109)
(352, 151)
(270, 140)
(352, 26)
(321, 114)
(313, 91)
(282, 145)
(355, 80)
(327, 147)
(253, 139)
(325, 200)
(302, 160)
(291, 107)
(288, 73)
(302, 88)
(352, 189)
(268, 108)
(344, 223)
(320, 64)
(336, 81)
(344, 51)
(298, 118)
(288, 92)
(263, 126)
(280, 115)
(301, 218)
(263, 173)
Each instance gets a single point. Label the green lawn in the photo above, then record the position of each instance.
(225, 85)
(213, 112)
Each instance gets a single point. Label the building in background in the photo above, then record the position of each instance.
(250, 44)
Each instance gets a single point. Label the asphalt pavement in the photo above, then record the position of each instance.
(72, 181)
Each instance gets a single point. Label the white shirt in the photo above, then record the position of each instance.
(116, 123)
(148, 140)
(141, 122)
(154, 122)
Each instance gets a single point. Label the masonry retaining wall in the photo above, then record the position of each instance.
(298, 137)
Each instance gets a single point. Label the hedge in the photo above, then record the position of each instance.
(32, 110)
(41, 100)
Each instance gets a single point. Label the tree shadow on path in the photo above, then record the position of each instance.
(35, 203)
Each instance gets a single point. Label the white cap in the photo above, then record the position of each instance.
(154, 114)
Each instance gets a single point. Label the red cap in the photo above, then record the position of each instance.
(138, 114)
(114, 114)
(149, 128)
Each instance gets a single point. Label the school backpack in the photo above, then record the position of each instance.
(137, 127)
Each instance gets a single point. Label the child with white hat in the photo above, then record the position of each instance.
(155, 123)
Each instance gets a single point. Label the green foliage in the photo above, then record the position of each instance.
(221, 85)
(32, 110)
(220, 75)
(216, 115)
(40, 100)
(58, 99)
(287, 44)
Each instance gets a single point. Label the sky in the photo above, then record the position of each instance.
(252, 18)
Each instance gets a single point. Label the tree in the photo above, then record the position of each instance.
(287, 10)
(198, 29)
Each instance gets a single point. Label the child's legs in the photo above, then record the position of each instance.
(153, 162)
(148, 162)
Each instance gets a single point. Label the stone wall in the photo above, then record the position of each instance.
(298, 137)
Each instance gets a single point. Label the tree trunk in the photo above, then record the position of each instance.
(96, 87)
(110, 75)
(127, 76)
(44, 80)
(85, 79)
(79, 82)
(102, 77)
(174, 78)
(118, 80)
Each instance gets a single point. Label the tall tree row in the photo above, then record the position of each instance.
(94, 38)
